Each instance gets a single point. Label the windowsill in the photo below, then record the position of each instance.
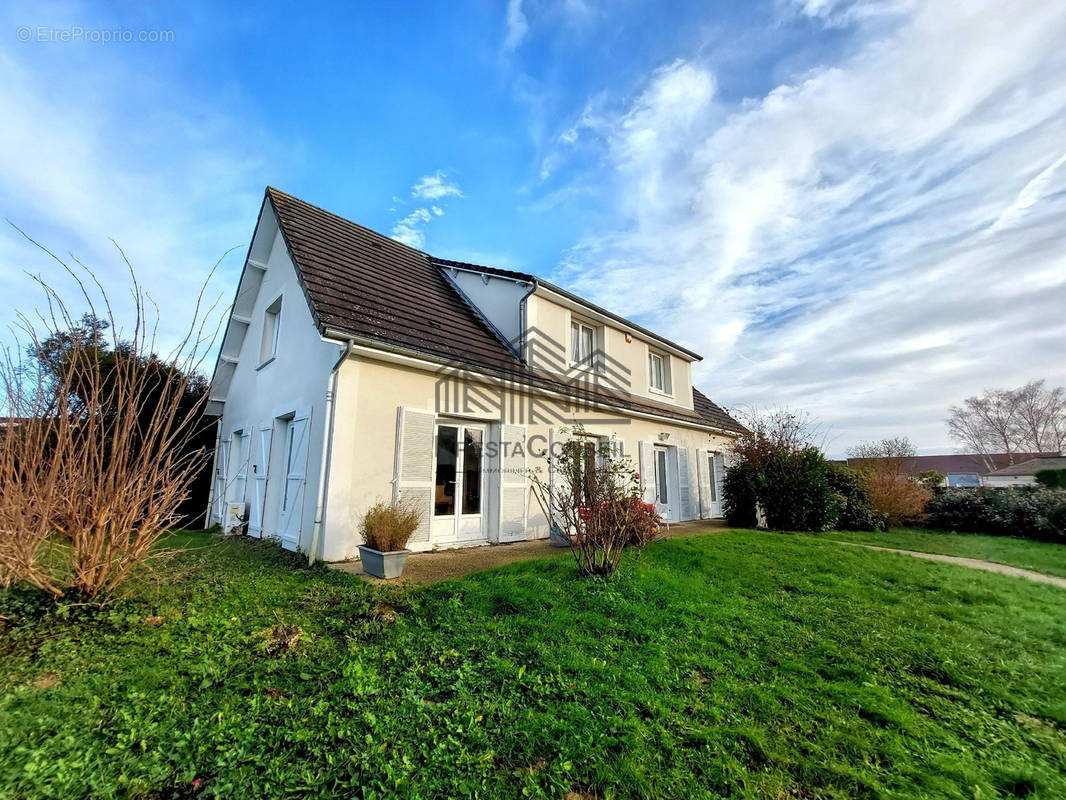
(265, 363)
(590, 368)
(653, 390)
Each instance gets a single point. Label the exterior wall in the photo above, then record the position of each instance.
(262, 395)
(499, 299)
(1002, 481)
(551, 321)
(365, 442)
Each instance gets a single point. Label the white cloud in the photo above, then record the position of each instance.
(874, 239)
(408, 229)
(517, 25)
(435, 186)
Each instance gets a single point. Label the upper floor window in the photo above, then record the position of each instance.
(659, 372)
(582, 344)
(268, 349)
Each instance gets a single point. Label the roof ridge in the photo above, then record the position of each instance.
(273, 191)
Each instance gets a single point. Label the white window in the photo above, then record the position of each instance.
(271, 331)
(659, 372)
(582, 344)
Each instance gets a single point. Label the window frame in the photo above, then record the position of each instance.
(665, 373)
(578, 326)
(271, 325)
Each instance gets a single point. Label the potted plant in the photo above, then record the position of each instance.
(385, 529)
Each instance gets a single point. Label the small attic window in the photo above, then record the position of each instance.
(268, 349)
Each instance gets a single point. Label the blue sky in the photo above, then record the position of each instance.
(856, 208)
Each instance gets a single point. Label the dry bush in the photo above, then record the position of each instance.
(95, 463)
(898, 499)
(387, 527)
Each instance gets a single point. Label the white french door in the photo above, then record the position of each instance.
(458, 511)
(666, 489)
(260, 469)
(714, 473)
(221, 481)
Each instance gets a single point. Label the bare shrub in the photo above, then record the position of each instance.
(899, 500)
(593, 496)
(96, 464)
(388, 527)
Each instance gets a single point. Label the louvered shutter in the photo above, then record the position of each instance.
(413, 468)
(719, 479)
(647, 471)
(684, 484)
(703, 476)
(221, 473)
(514, 484)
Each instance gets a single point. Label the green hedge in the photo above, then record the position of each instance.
(1052, 478)
(799, 491)
(1034, 513)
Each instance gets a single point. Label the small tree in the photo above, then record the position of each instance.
(897, 498)
(593, 495)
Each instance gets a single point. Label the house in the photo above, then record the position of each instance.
(354, 369)
(959, 469)
(1023, 474)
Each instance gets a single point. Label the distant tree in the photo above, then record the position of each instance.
(769, 431)
(1029, 419)
(884, 456)
(93, 369)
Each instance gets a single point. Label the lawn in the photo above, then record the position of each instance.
(740, 664)
(1046, 557)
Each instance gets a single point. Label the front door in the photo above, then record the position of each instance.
(458, 491)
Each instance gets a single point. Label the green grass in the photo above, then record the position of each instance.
(1046, 557)
(740, 664)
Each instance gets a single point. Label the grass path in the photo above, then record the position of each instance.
(1045, 557)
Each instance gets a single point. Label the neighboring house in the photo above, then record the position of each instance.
(959, 469)
(356, 369)
(1023, 474)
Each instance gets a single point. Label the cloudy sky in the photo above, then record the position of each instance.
(854, 208)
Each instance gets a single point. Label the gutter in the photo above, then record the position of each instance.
(327, 453)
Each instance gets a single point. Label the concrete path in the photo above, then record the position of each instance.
(973, 563)
(422, 569)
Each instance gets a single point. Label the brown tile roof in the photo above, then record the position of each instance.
(361, 283)
(1032, 466)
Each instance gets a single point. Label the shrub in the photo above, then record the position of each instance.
(387, 527)
(930, 479)
(795, 491)
(1035, 513)
(641, 520)
(593, 496)
(898, 500)
(740, 493)
(1052, 478)
(856, 511)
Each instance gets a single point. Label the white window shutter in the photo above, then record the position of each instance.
(684, 483)
(703, 473)
(240, 489)
(514, 484)
(647, 471)
(261, 464)
(413, 468)
(719, 475)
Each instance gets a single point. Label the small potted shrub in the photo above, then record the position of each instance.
(385, 529)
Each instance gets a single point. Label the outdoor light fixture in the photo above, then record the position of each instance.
(663, 437)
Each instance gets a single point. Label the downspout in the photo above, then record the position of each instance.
(327, 453)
